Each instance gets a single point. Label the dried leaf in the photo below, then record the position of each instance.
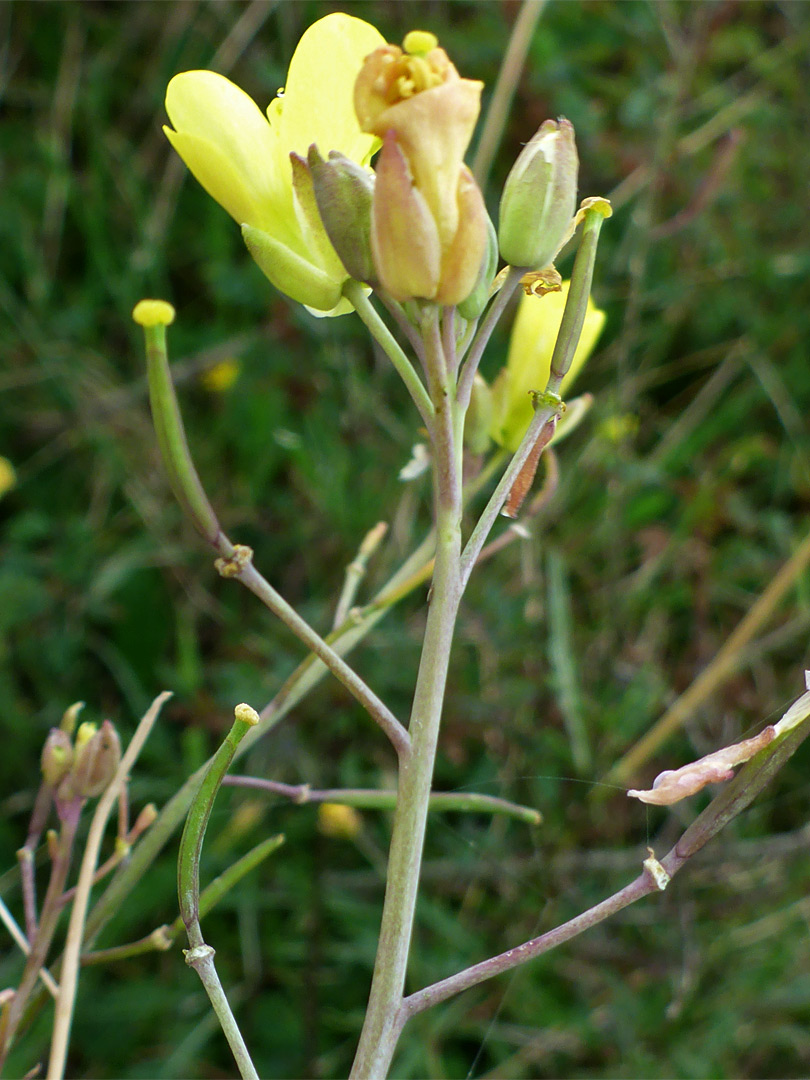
(672, 785)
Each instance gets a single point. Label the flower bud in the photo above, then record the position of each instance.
(71, 716)
(96, 760)
(539, 197)
(344, 191)
(57, 756)
(87, 730)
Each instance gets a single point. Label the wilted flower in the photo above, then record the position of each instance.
(429, 232)
(672, 785)
(242, 159)
(529, 361)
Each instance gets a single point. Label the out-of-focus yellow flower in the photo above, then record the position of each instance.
(429, 222)
(8, 476)
(619, 428)
(335, 819)
(529, 361)
(242, 159)
(221, 376)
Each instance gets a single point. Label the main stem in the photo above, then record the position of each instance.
(382, 1024)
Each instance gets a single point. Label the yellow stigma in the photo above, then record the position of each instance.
(419, 42)
(153, 313)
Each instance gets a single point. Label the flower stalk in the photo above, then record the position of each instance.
(379, 1035)
(199, 955)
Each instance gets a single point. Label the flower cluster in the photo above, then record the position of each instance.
(315, 215)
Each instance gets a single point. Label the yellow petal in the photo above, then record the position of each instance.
(225, 140)
(529, 362)
(318, 102)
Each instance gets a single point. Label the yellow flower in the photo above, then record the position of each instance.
(242, 159)
(221, 377)
(335, 819)
(429, 222)
(8, 476)
(529, 361)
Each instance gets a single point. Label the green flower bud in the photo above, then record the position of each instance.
(539, 197)
(344, 192)
(97, 759)
(57, 756)
(479, 417)
(475, 303)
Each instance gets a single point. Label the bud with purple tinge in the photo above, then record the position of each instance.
(57, 756)
(96, 760)
(344, 191)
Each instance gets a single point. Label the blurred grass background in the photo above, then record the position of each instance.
(681, 495)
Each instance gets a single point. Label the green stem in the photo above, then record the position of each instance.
(188, 861)
(236, 561)
(576, 304)
(464, 802)
(484, 332)
(380, 1030)
(161, 938)
(306, 676)
(356, 571)
(201, 956)
(249, 576)
(738, 794)
(171, 437)
(21, 941)
(354, 293)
